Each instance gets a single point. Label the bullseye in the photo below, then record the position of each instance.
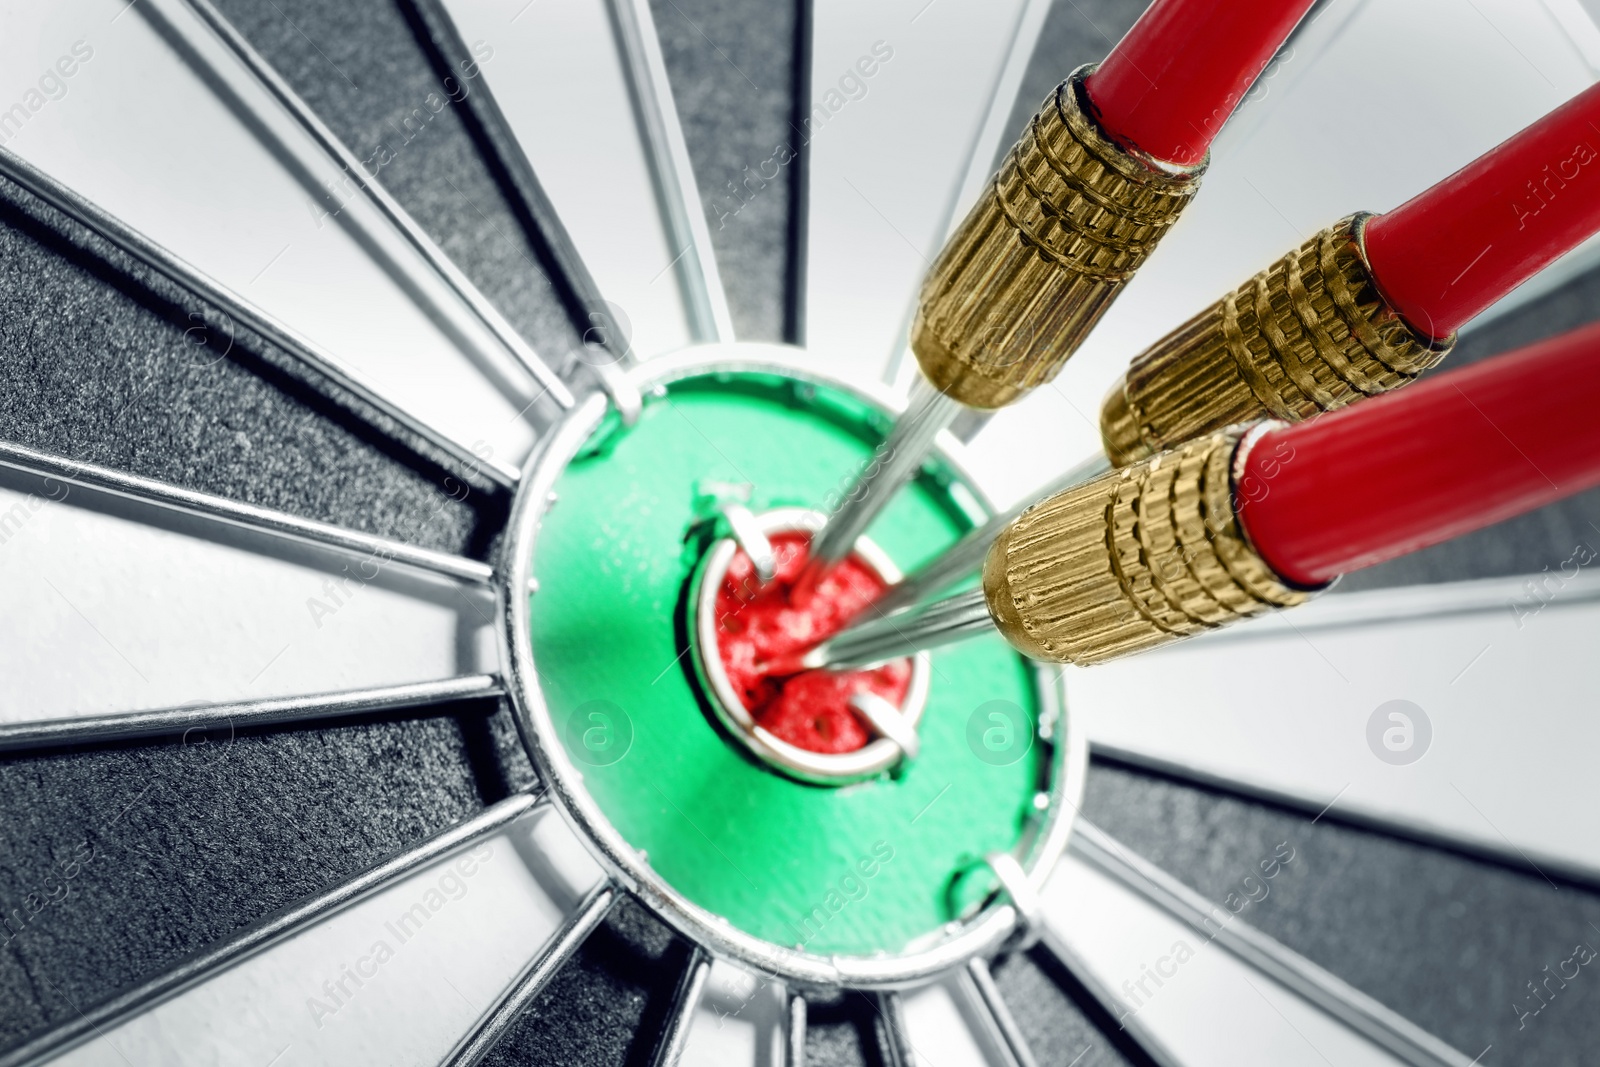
(747, 634)
(761, 625)
(630, 561)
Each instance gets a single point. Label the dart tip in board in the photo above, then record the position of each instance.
(605, 652)
(747, 637)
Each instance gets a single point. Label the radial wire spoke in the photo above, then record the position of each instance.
(247, 516)
(1459, 713)
(893, 1032)
(1143, 1038)
(235, 306)
(242, 715)
(143, 597)
(948, 1024)
(991, 137)
(995, 128)
(1011, 1050)
(572, 277)
(627, 201)
(1193, 984)
(685, 1002)
(1352, 1007)
(710, 319)
(739, 1018)
(890, 133)
(452, 275)
(794, 1036)
(283, 225)
(561, 948)
(392, 966)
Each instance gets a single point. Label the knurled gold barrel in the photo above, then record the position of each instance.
(1065, 223)
(1309, 334)
(1134, 559)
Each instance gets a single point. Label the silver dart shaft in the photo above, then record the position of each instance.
(966, 556)
(891, 466)
(869, 643)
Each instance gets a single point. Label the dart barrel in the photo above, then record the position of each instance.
(1370, 303)
(1133, 559)
(1068, 219)
(1243, 521)
(1309, 334)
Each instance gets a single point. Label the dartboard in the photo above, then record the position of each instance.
(393, 394)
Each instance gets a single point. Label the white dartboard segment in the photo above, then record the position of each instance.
(738, 1021)
(396, 976)
(1187, 1001)
(132, 607)
(942, 1025)
(162, 126)
(561, 73)
(892, 130)
(1462, 712)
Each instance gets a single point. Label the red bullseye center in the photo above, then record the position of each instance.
(759, 625)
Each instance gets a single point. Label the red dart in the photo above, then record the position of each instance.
(1169, 85)
(1099, 175)
(1397, 287)
(1451, 251)
(1450, 455)
(1242, 522)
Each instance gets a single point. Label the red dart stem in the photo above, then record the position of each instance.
(1406, 470)
(1448, 253)
(1169, 85)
